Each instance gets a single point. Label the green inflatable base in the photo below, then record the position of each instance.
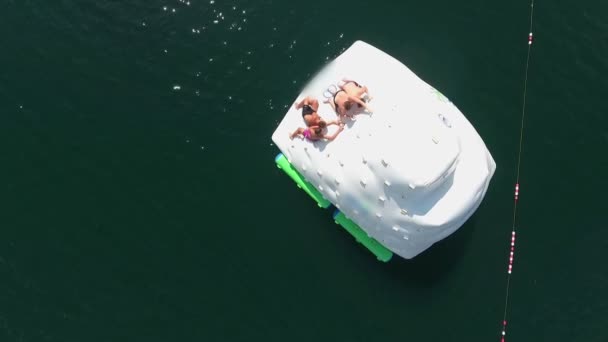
(283, 164)
(381, 252)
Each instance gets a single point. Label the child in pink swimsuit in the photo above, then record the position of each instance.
(315, 133)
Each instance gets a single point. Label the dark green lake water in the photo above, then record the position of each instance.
(131, 211)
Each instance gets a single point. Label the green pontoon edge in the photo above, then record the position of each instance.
(381, 252)
(283, 164)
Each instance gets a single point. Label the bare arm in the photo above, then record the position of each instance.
(362, 103)
(333, 136)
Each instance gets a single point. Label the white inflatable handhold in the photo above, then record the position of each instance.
(387, 183)
(403, 212)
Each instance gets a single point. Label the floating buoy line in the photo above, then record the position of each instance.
(517, 186)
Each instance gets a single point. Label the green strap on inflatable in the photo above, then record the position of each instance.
(283, 164)
(381, 252)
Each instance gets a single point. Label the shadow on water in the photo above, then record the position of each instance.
(432, 265)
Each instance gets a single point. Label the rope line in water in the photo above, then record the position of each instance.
(516, 194)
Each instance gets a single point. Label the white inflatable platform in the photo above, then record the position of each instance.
(410, 173)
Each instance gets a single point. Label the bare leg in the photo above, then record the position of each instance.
(296, 132)
(308, 100)
(300, 104)
(314, 103)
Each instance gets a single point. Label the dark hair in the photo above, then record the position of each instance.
(348, 105)
(322, 124)
(317, 130)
